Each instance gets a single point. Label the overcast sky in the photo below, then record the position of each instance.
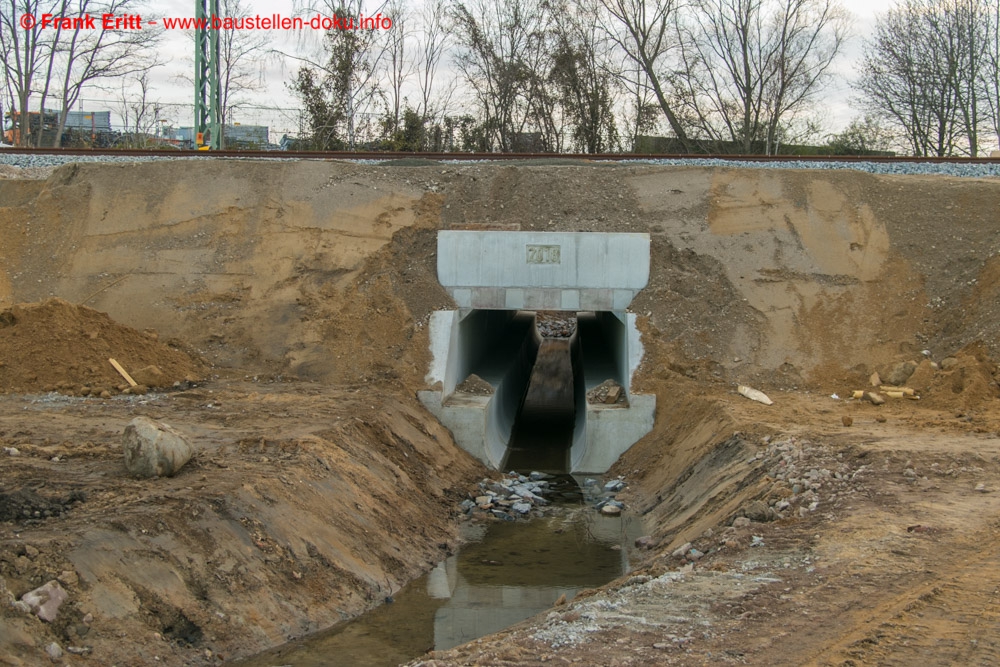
(171, 81)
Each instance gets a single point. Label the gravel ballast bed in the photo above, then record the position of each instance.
(982, 170)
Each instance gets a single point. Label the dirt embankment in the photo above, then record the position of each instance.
(783, 278)
(58, 346)
(321, 484)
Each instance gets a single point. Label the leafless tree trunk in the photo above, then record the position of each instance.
(500, 45)
(646, 30)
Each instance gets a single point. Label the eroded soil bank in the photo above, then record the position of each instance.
(824, 530)
(305, 505)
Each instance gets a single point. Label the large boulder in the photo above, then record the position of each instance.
(45, 600)
(153, 449)
(900, 373)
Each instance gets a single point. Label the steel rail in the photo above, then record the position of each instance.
(461, 157)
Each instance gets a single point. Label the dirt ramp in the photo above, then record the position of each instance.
(56, 345)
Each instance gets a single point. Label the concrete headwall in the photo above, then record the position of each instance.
(541, 270)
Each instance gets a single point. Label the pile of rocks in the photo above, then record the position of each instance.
(608, 392)
(516, 496)
(555, 325)
(475, 386)
(806, 477)
(607, 504)
(511, 497)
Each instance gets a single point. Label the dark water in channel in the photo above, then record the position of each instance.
(508, 572)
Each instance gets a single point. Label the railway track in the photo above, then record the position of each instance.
(388, 155)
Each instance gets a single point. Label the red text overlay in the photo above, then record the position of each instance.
(257, 22)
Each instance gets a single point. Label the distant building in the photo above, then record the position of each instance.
(245, 136)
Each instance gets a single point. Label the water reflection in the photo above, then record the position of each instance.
(507, 573)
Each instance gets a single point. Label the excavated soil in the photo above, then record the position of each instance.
(59, 346)
(287, 307)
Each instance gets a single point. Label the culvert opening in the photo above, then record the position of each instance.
(499, 280)
(523, 396)
(542, 435)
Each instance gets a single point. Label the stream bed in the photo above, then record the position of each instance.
(505, 572)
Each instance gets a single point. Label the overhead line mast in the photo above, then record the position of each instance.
(207, 99)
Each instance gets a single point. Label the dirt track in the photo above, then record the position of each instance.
(303, 290)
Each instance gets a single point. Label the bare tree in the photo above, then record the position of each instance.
(55, 60)
(340, 85)
(398, 67)
(584, 73)
(501, 44)
(924, 71)
(92, 55)
(241, 59)
(991, 67)
(139, 111)
(752, 66)
(646, 30)
(23, 52)
(641, 114)
(433, 45)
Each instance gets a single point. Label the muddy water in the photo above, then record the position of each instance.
(507, 572)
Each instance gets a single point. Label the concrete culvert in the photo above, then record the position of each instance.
(543, 320)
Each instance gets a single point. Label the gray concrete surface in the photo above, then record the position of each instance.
(542, 270)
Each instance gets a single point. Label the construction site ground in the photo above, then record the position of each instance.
(280, 317)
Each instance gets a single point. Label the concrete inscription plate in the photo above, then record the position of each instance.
(543, 254)
(570, 271)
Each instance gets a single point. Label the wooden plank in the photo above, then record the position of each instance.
(128, 378)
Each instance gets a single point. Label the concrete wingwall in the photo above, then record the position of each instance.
(608, 346)
(500, 347)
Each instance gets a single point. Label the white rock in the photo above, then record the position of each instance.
(754, 394)
(682, 550)
(54, 651)
(45, 600)
(153, 449)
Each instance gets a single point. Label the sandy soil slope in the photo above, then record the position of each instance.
(889, 559)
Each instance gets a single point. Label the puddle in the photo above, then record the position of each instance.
(507, 572)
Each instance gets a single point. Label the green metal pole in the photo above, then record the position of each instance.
(207, 107)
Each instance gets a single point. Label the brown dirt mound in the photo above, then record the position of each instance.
(966, 380)
(57, 345)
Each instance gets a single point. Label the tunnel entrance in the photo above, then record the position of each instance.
(515, 396)
(542, 436)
